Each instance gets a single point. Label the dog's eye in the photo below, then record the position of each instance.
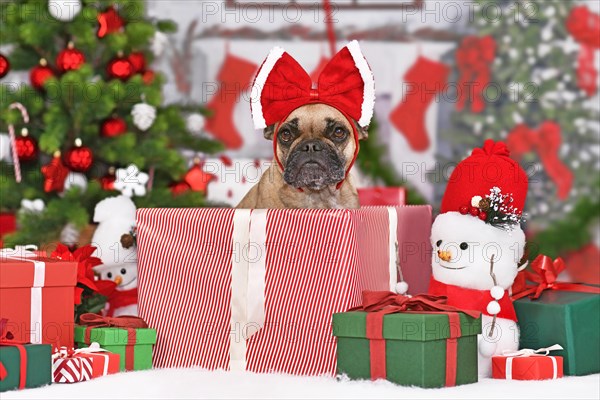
(285, 135)
(339, 133)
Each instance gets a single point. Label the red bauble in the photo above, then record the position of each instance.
(113, 126)
(40, 74)
(107, 182)
(109, 22)
(148, 77)
(179, 188)
(55, 174)
(482, 215)
(69, 59)
(464, 210)
(27, 147)
(120, 68)
(197, 179)
(79, 158)
(4, 65)
(474, 211)
(138, 61)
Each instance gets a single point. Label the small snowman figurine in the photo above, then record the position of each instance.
(478, 244)
(114, 239)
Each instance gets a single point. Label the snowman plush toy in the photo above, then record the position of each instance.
(478, 244)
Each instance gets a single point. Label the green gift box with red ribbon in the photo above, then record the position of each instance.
(127, 336)
(416, 340)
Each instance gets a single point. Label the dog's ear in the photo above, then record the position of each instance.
(269, 132)
(363, 133)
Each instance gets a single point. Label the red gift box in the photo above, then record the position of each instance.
(36, 296)
(528, 365)
(70, 366)
(8, 224)
(382, 196)
(260, 286)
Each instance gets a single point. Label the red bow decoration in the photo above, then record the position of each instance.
(85, 265)
(544, 275)
(7, 339)
(473, 59)
(124, 321)
(584, 26)
(546, 142)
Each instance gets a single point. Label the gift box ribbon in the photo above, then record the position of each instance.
(129, 323)
(380, 303)
(6, 339)
(93, 348)
(531, 353)
(25, 253)
(544, 275)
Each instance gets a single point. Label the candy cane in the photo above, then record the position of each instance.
(13, 140)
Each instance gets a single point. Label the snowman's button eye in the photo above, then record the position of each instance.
(123, 271)
(109, 275)
(438, 243)
(464, 246)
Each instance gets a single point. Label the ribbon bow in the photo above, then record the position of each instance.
(545, 272)
(26, 251)
(473, 59)
(390, 303)
(584, 26)
(531, 352)
(65, 352)
(124, 321)
(546, 142)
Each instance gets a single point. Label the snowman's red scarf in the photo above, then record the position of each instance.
(121, 298)
(472, 299)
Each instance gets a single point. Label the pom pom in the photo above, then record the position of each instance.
(401, 287)
(475, 201)
(497, 292)
(493, 307)
(486, 348)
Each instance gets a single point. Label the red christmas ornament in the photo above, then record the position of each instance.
(79, 158)
(113, 126)
(120, 68)
(138, 61)
(4, 65)
(55, 174)
(474, 211)
(178, 188)
(27, 147)
(69, 59)
(148, 77)
(482, 215)
(197, 179)
(464, 210)
(109, 22)
(107, 182)
(40, 74)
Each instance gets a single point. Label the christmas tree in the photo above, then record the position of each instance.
(521, 79)
(96, 124)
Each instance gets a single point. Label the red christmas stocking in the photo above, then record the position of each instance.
(234, 77)
(425, 78)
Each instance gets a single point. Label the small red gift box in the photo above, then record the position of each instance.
(382, 196)
(527, 365)
(70, 366)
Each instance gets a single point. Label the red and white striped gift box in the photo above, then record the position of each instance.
(256, 289)
(71, 369)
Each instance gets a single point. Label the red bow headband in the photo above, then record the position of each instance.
(282, 85)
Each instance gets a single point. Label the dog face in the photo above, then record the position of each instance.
(315, 145)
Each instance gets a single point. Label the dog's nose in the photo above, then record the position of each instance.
(312, 146)
(444, 255)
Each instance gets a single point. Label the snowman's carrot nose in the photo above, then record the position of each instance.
(444, 255)
(118, 280)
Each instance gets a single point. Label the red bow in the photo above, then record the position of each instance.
(546, 142)
(390, 303)
(85, 264)
(473, 59)
(124, 321)
(584, 26)
(545, 272)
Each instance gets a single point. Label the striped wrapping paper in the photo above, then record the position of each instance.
(71, 370)
(315, 263)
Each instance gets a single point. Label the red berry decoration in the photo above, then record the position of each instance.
(4, 66)
(148, 77)
(26, 146)
(69, 59)
(474, 211)
(138, 61)
(109, 22)
(55, 174)
(79, 158)
(113, 126)
(464, 210)
(107, 182)
(120, 68)
(482, 215)
(178, 188)
(40, 74)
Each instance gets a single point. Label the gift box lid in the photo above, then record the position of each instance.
(420, 327)
(114, 336)
(19, 273)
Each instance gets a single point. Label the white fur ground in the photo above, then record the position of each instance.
(202, 384)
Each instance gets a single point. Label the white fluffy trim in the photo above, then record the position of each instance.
(259, 83)
(367, 77)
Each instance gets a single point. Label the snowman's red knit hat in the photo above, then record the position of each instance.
(488, 171)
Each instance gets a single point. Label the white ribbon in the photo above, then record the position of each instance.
(247, 282)
(24, 253)
(541, 352)
(393, 247)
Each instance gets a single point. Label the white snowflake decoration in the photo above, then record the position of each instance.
(143, 115)
(131, 181)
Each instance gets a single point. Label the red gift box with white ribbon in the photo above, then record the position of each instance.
(528, 364)
(256, 289)
(78, 365)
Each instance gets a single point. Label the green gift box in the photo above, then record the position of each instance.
(38, 366)
(133, 345)
(566, 318)
(421, 349)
